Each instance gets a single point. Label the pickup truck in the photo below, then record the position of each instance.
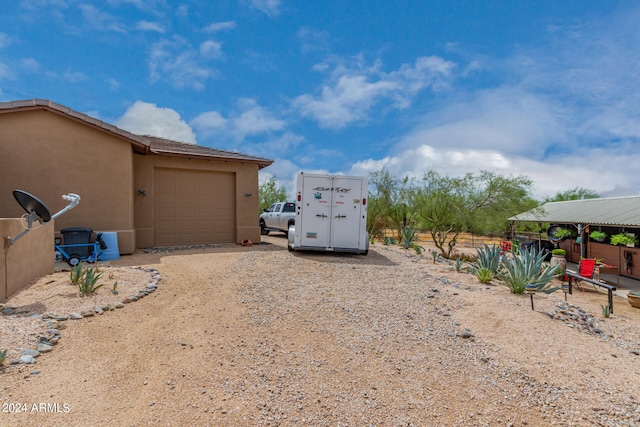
(278, 217)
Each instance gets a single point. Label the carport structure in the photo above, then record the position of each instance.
(612, 215)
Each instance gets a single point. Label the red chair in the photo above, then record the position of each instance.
(586, 268)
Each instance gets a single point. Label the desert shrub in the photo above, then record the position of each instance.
(88, 282)
(528, 268)
(3, 355)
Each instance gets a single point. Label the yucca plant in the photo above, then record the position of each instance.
(459, 264)
(76, 274)
(528, 268)
(3, 355)
(606, 310)
(418, 248)
(88, 283)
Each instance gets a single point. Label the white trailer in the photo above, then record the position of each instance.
(331, 214)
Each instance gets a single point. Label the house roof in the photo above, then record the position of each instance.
(613, 211)
(140, 144)
(168, 147)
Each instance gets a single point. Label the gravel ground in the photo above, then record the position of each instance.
(260, 336)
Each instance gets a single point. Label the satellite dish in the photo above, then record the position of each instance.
(551, 231)
(32, 205)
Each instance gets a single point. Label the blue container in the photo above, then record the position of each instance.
(112, 252)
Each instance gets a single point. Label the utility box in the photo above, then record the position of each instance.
(331, 214)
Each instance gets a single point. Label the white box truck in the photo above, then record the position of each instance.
(331, 214)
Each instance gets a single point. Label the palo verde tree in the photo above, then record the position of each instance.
(270, 192)
(577, 193)
(388, 204)
(448, 206)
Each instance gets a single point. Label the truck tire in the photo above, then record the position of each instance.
(263, 229)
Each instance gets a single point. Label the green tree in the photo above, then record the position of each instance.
(388, 204)
(270, 192)
(509, 196)
(448, 206)
(577, 193)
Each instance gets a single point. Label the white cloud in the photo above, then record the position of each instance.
(74, 76)
(178, 62)
(250, 119)
(144, 118)
(271, 8)
(211, 121)
(5, 72)
(210, 49)
(220, 26)
(254, 119)
(150, 26)
(114, 84)
(352, 94)
(4, 40)
(30, 65)
(99, 20)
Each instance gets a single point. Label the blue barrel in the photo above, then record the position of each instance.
(112, 252)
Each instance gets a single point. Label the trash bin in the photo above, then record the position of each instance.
(77, 236)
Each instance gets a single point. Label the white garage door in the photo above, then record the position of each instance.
(194, 207)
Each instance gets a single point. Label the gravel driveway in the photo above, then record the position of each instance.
(259, 336)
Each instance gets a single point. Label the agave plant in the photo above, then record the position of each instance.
(528, 268)
(88, 283)
(488, 257)
(485, 275)
(408, 235)
(76, 274)
(3, 355)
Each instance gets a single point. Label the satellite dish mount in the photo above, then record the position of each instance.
(37, 211)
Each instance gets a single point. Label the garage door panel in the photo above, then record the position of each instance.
(194, 207)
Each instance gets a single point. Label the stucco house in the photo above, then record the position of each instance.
(151, 191)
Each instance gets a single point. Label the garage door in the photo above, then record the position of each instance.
(194, 207)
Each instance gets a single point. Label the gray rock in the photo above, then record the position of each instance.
(27, 359)
(465, 334)
(88, 313)
(76, 316)
(99, 310)
(7, 311)
(44, 347)
(119, 305)
(30, 352)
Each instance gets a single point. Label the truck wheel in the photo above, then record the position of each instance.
(263, 229)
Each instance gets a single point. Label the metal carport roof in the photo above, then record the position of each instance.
(613, 211)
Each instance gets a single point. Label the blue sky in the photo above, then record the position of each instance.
(548, 89)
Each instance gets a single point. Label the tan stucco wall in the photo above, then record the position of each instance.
(28, 259)
(48, 155)
(246, 184)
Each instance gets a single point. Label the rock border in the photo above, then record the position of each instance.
(55, 323)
